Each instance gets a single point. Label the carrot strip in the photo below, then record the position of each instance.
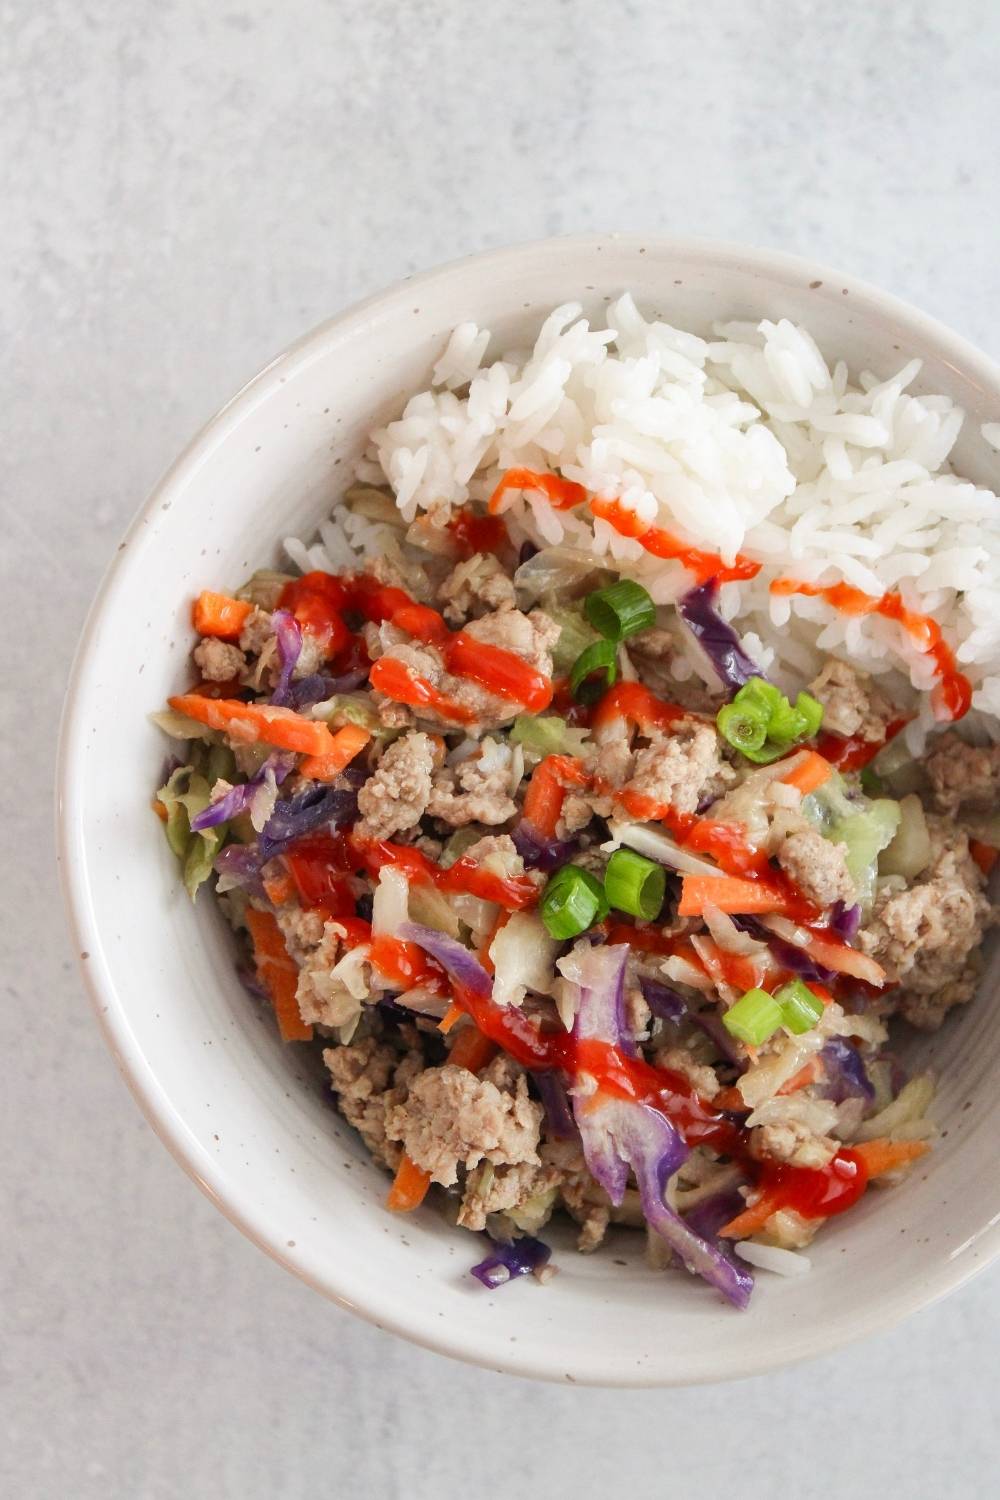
(471, 1049)
(985, 856)
(250, 722)
(754, 1217)
(344, 746)
(452, 1014)
(803, 1078)
(810, 773)
(159, 809)
(882, 1155)
(729, 895)
(219, 615)
(409, 1187)
(278, 974)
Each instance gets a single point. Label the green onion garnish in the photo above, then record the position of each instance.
(620, 610)
(742, 725)
(635, 885)
(800, 1008)
(754, 1017)
(762, 724)
(594, 671)
(572, 901)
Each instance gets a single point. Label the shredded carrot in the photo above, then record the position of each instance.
(159, 809)
(803, 1078)
(471, 1049)
(985, 856)
(279, 889)
(754, 1217)
(882, 1155)
(728, 895)
(810, 772)
(219, 615)
(344, 746)
(251, 722)
(278, 974)
(409, 1187)
(452, 1014)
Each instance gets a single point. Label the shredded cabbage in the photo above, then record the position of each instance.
(910, 851)
(575, 635)
(550, 735)
(523, 957)
(186, 793)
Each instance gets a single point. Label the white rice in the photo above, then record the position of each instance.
(773, 1258)
(745, 443)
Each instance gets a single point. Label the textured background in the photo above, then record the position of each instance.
(186, 188)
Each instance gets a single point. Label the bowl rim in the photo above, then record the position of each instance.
(111, 1010)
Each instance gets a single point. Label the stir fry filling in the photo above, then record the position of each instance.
(575, 935)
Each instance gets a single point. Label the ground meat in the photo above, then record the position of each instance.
(396, 796)
(792, 1141)
(817, 868)
(527, 636)
(583, 1198)
(323, 998)
(218, 661)
(963, 776)
(575, 814)
(474, 587)
(452, 1118)
(257, 632)
(493, 1190)
(681, 768)
(927, 937)
(394, 715)
(853, 705)
(477, 790)
(700, 1076)
(654, 644)
(371, 1079)
(302, 930)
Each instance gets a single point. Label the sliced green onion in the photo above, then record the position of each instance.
(754, 1017)
(872, 783)
(742, 725)
(594, 671)
(572, 901)
(620, 610)
(759, 690)
(800, 1008)
(635, 885)
(787, 725)
(810, 709)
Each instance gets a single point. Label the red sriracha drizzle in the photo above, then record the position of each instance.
(319, 600)
(812, 1192)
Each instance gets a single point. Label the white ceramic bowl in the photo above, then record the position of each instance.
(250, 1119)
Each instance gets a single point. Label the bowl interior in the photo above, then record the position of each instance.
(250, 1119)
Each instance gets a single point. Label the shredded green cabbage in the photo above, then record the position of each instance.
(865, 826)
(352, 708)
(575, 636)
(186, 792)
(548, 736)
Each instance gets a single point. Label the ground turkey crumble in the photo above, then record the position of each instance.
(451, 1118)
(853, 705)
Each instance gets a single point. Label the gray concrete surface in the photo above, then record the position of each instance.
(187, 187)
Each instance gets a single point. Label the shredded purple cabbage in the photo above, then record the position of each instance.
(707, 1217)
(241, 864)
(845, 921)
(844, 1075)
(538, 852)
(239, 798)
(456, 960)
(552, 1092)
(618, 1134)
(250, 981)
(795, 960)
(517, 1258)
(718, 640)
(317, 687)
(600, 1014)
(304, 813)
(289, 637)
(664, 1002)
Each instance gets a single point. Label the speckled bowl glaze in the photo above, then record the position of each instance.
(250, 1120)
